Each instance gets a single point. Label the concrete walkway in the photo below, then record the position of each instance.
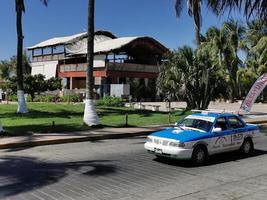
(164, 106)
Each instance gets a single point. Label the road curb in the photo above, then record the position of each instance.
(72, 140)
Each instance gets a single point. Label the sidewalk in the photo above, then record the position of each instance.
(91, 135)
(164, 106)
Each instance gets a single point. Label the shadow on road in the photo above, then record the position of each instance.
(213, 160)
(22, 174)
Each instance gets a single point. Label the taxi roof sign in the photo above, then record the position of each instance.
(207, 111)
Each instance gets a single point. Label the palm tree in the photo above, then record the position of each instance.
(256, 41)
(226, 42)
(233, 32)
(169, 75)
(194, 10)
(190, 76)
(90, 117)
(20, 8)
(260, 51)
(256, 30)
(215, 40)
(251, 9)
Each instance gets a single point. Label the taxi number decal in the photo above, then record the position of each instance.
(238, 136)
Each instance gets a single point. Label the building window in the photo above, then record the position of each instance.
(47, 51)
(37, 52)
(58, 49)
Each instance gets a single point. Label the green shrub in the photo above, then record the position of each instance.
(28, 99)
(71, 98)
(56, 98)
(44, 98)
(12, 97)
(110, 101)
(49, 98)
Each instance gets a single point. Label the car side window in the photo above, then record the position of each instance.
(234, 122)
(221, 123)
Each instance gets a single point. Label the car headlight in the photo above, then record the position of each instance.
(149, 139)
(176, 144)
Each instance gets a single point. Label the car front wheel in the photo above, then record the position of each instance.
(199, 155)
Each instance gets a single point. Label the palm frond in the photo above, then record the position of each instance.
(45, 2)
(178, 7)
(252, 8)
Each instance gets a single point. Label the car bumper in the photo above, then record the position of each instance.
(167, 151)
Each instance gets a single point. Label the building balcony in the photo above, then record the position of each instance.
(111, 66)
(130, 67)
(50, 57)
(80, 67)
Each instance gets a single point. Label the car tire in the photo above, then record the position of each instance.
(247, 147)
(199, 155)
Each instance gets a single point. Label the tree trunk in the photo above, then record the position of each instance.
(206, 99)
(1, 127)
(197, 35)
(20, 89)
(90, 116)
(32, 96)
(234, 85)
(90, 50)
(232, 91)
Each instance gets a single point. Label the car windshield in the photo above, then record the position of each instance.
(191, 123)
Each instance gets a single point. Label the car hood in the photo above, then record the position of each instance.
(252, 127)
(181, 135)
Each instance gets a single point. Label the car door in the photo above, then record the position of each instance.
(222, 140)
(237, 128)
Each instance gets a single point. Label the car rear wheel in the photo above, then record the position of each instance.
(247, 147)
(199, 155)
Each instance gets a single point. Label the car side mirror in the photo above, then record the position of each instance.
(215, 130)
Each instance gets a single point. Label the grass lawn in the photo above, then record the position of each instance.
(69, 117)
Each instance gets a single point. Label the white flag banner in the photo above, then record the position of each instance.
(254, 92)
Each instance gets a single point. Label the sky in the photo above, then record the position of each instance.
(154, 18)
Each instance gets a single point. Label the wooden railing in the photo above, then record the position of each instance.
(43, 58)
(126, 67)
(80, 67)
(132, 67)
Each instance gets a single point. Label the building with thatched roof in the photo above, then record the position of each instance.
(116, 60)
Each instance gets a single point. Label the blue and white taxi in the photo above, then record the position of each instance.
(202, 134)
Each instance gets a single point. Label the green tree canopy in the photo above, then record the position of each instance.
(190, 76)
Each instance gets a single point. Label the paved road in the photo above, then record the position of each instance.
(122, 170)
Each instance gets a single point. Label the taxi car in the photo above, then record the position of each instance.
(202, 134)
